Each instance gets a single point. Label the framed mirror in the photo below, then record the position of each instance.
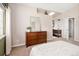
(35, 23)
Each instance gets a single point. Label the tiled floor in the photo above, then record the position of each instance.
(23, 51)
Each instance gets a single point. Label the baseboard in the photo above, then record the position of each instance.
(18, 45)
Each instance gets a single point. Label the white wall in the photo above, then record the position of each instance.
(72, 13)
(46, 25)
(20, 16)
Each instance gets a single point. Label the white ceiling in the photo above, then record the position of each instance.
(58, 7)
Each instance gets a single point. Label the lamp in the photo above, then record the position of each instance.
(51, 13)
(29, 29)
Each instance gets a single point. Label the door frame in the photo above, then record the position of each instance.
(69, 28)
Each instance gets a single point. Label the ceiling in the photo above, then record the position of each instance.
(58, 7)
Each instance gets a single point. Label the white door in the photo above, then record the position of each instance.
(8, 31)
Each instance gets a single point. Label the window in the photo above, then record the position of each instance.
(1, 21)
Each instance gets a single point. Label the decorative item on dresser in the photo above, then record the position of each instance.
(33, 38)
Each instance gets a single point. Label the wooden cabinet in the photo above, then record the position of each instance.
(33, 38)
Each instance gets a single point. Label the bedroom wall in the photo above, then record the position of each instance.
(72, 13)
(20, 15)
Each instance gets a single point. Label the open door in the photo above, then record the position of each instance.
(8, 31)
(71, 28)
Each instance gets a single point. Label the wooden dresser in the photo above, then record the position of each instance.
(33, 38)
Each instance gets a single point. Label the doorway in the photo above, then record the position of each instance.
(71, 28)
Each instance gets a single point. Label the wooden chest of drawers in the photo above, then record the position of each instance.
(33, 38)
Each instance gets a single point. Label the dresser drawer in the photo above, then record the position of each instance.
(42, 40)
(32, 42)
(31, 34)
(41, 33)
(42, 37)
(31, 38)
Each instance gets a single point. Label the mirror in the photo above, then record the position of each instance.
(35, 23)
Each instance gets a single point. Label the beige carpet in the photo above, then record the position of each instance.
(23, 51)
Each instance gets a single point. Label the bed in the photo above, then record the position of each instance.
(57, 48)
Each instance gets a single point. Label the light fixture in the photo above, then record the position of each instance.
(52, 13)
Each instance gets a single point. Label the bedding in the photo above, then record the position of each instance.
(57, 48)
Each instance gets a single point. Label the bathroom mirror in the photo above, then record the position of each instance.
(35, 23)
